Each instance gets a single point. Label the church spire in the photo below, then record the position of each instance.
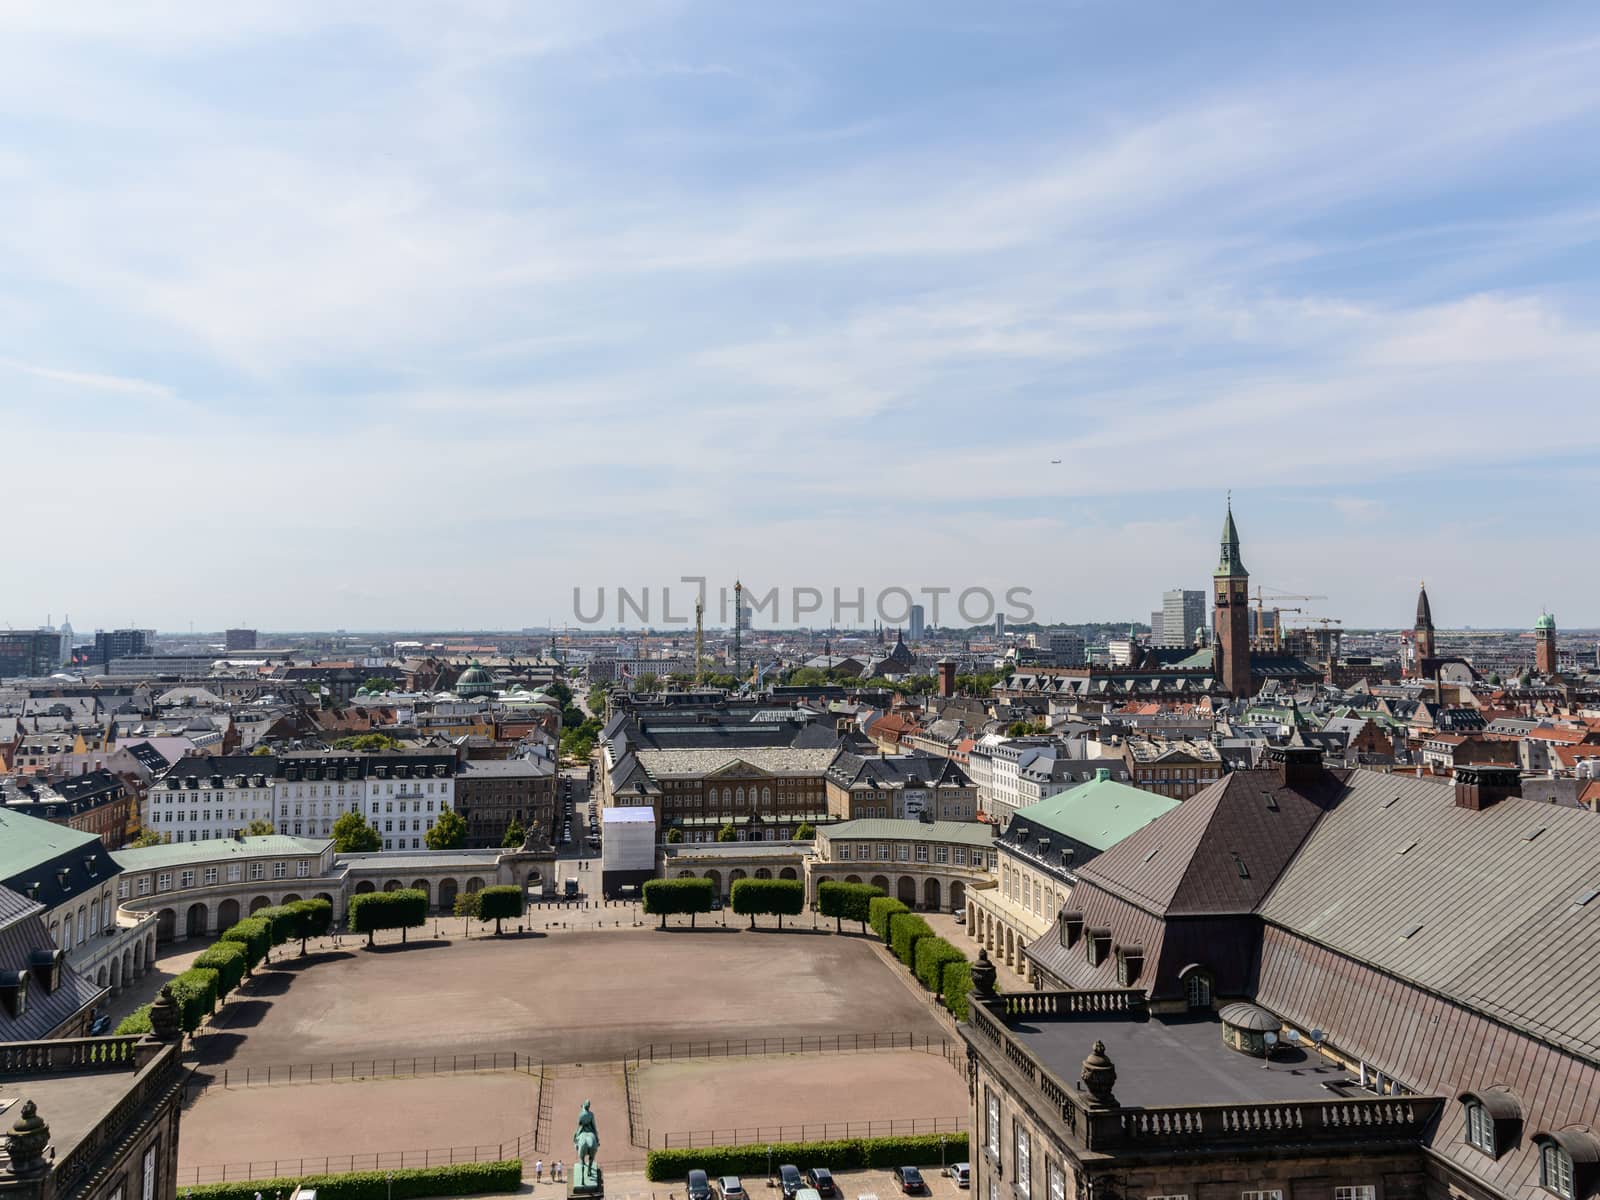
(1424, 609)
(1231, 565)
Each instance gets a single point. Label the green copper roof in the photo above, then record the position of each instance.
(1546, 621)
(1231, 563)
(27, 841)
(1099, 813)
(213, 850)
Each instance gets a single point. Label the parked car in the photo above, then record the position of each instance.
(716, 904)
(101, 1025)
(910, 1181)
(962, 1174)
(699, 1186)
(732, 1188)
(821, 1179)
(807, 1194)
(789, 1179)
(961, 916)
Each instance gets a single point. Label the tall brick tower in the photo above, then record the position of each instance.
(1231, 595)
(1544, 645)
(1423, 634)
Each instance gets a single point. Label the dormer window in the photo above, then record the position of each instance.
(1480, 1127)
(1071, 928)
(1493, 1119)
(1097, 945)
(1555, 1170)
(1130, 963)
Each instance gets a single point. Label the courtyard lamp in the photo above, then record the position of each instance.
(942, 1169)
(769, 1146)
(388, 1180)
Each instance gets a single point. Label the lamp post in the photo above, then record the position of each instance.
(769, 1165)
(388, 1181)
(942, 1169)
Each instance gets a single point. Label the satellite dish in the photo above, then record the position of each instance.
(1317, 1036)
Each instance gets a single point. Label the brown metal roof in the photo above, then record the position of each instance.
(1481, 907)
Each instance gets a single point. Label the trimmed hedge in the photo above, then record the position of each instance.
(772, 897)
(255, 935)
(312, 918)
(879, 910)
(499, 902)
(227, 960)
(401, 909)
(136, 1022)
(905, 931)
(409, 1183)
(846, 901)
(664, 897)
(846, 1154)
(957, 986)
(196, 993)
(279, 920)
(932, 954)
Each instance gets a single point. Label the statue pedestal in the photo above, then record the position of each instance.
(585, 1185)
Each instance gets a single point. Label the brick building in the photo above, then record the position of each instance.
(491, 793)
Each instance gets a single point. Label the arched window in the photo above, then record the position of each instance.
(1197, 990)
(1480, 1127)
(738, 796)
(766, 797)
(1555, 1169)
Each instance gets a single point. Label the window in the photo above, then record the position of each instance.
(164, 881)
(961, 856)
(1056, 1180)
(941, 854)
(1480, 1127)
(233, 872)
(1272, 1194)
(258, 870)
(993, 1128)
(844, 852)
(1170, 1196)
(186, 879)
(922, 853)
(1197, 991)
(144, 885)
(1555, 1170)
(1365, 1191)
(1023, 1164)
(302, 869)
(149, 1191)
(902, 852)
(122, 888)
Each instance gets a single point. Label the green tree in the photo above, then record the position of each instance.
(1024, 728)
(227, 960)
(146, 837)
(807, 677)
(515, 835)
(498, 902)
(262, 751)
(403, 909)
(448, 832)
(674, 836)
(663, 897)
(467, 907)
(260, 827)
(377, 683)
(559, 692)
(196, 993)
(773, 897)
(879, 910)
(310, 918)
(932, 954)
(846, 902)
(369, 743)
(255, 935)
(352, 835)
(648, 682)
(728, 833)
(956, 986)
(905, 931)
(804, 832)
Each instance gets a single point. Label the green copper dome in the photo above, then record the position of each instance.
(1546, 621)
(475, 681)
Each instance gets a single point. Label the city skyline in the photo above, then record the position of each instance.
(410, 330)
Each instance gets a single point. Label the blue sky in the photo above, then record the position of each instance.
(391, 315)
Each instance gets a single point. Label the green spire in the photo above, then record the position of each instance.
(1231, 564)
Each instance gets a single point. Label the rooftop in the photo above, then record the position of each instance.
(888, 829)
(1099, 813)
(1176, 1060)
(276, 845)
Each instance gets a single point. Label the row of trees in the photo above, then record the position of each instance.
(938, 965)
(233, 957)
(750, 898)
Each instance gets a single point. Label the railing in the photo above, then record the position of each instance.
(838, 1043)
(826, 1131)
(1203, 1125)
(68, 1056)
(365, 1068)
(635, 1115)
(1066, 1004)
(1308, 1120)
(337, 1164)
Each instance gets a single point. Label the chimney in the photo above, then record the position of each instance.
(1478, 787)
(1297, 766)
(947, 678)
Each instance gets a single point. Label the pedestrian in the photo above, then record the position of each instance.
(538, 1170)
(557, 1175)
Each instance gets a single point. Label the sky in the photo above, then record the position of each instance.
(397, 315)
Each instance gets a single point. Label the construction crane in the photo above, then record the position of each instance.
(1277, 625)
(738, 628)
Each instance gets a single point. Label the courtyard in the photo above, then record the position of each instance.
(708, 1020)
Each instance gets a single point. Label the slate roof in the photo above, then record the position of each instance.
(22, 932)
(896, 770)
(767, 759)
(888, 829)
(1492, 898)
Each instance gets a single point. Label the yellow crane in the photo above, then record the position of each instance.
(699, 642)
(1277, 625)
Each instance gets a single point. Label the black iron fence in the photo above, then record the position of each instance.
(389, 1160)
(820, 1132)
(834, 1043)
(205, 1076)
